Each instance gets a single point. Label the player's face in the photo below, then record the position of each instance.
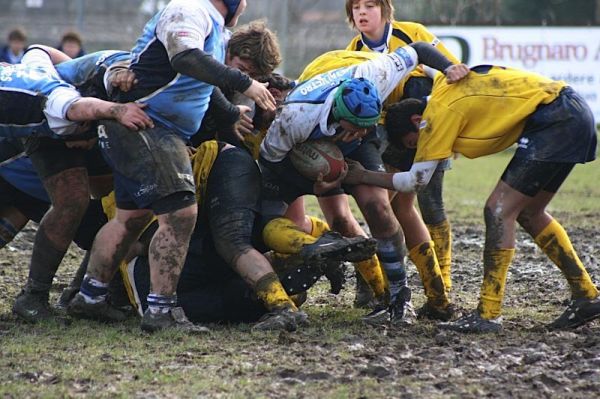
(351, 132)
(242, 64)
(240, 11)
(367, 16)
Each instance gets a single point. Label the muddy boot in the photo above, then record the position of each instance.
(333, 246)
(65, 297)
(473, 323)
(173, 320)
(102, 311)
(378, 317)
(437, 313)
(401, 308)
(578, 312)
(363, 297)
(31, 305)
(283, 319)
(335, 272)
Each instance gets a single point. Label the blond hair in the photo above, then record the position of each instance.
(387, 10)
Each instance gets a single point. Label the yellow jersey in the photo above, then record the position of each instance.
(332, 60)
(482, 114)
(402, 34)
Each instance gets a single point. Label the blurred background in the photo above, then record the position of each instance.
(559, 38)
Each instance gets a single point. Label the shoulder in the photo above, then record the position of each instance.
(355, 44)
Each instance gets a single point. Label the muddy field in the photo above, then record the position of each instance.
(336, 356)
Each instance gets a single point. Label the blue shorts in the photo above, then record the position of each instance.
(148, 165)
(563, 131)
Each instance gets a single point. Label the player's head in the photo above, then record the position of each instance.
(357, 101)
(235, 8)
(385, 7)
(254, 50)
(402, 121)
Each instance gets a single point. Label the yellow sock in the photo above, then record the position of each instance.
(423, 256)
(373, 274)
(270, 291)
(319, 226)
(495, 269)
(555, 243)
(284, 236)
(441, 234)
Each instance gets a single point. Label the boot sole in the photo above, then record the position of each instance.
(353, 252)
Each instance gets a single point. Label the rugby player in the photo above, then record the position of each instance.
(379, 32)
(177, 61)
(43, 110)
(491, 109)
(345, 103)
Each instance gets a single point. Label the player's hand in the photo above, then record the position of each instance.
(355, 172)
(321, 187)
(455, 73)
(244, 125)
(122, 78)
(132, 116)
(261, 95)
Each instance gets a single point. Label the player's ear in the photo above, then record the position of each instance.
(415, 119)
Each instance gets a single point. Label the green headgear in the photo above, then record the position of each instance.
(357, 101)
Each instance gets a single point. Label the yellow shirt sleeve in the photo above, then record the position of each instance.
(439, 129)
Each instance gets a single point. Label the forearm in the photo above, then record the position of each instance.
(416, 178)
(202, 66)
(430, 56)
(89, 109)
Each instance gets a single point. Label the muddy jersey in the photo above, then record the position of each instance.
(34, 99)
(483, 113)
(305, 114)
(79, 71)
(176, 101)
(399, 34)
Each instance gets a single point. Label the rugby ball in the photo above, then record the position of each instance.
(318, 156)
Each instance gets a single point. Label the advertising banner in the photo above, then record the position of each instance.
(571, 54)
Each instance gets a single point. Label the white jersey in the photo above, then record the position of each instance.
(306, 109)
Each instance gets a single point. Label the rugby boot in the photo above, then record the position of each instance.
(473, 323)
(364, 297)
(335, 272)
(578, 312)
(100, 311)
(31, 305)
(282, 319)
(432, 312)
(401, 308)
(65, 297)
(172, 320)
(333, 246)
(380, 315)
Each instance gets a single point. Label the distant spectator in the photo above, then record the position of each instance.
(71, 44)
(13, 51)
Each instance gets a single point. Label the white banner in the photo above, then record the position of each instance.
(571, 54)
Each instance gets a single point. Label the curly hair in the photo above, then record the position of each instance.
(397, 118)
(258, 44)
(387, 10)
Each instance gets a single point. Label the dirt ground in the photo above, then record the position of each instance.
(337, 356)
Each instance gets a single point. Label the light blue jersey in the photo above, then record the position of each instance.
(176, 101)
(34, 99)
(81, 70)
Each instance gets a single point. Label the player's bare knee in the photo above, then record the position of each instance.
(380, 217)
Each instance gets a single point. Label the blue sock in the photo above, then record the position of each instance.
(161, 303)
(92, 290)
(393, 263)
